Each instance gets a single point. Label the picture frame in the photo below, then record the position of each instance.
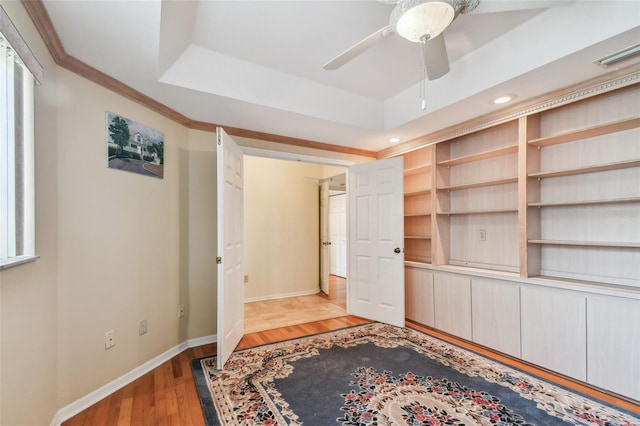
(134, 147)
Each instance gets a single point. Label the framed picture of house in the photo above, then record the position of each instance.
(134, 147)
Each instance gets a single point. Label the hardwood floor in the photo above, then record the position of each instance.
(337, 291)
(276, 313)
(167, 395)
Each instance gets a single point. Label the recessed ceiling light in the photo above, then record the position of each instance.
(394, 140)
(503, 99)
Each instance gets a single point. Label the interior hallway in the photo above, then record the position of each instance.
(276, 313)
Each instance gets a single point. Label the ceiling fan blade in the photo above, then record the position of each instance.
(491, 6)
(436, 59)
(358, 49)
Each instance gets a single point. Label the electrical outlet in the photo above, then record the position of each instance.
(109, 339)
(181, 310)
(142, 328)
(246, 279)
(483, 235)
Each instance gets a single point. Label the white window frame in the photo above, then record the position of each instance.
(17, 156)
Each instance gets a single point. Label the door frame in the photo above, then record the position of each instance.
(282, 155)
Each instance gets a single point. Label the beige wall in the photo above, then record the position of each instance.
(114, 247)
(281, 219)
(201, 291)
(119, 242)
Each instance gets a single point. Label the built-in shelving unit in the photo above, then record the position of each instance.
(417, 205)
(554, 193)
(583, 191)
(476, 199)
(534, 237)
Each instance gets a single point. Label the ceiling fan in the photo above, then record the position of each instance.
(423, 21)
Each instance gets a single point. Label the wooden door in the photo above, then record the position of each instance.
(230, 246)
(325, 258)
(338, 234)
(376, 236)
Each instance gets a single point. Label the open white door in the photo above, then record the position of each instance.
(338, 234)
(325, 262)
(376, 228)
(230, 246)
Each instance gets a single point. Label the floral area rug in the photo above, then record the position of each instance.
(376, 374)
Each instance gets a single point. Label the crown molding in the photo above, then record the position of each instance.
(42, 21)
(600, 85)
(603, 84)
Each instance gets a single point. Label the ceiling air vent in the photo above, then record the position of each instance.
(618, 57)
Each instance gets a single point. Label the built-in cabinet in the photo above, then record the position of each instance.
(419, 296)
(617, 345)
(554, 330)
(584, 335)
(495, 314)
(524, 236)
(453, 307)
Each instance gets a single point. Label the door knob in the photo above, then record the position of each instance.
(396, 250)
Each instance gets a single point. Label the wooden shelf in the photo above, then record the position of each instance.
(417, 214)
(590, 132)
(479, 212)
(479, 184)
(512, 149)
(586, 202)
(421, 192)
(420, 259)
(588, 169)
(585, 243)
(416, 237)
(416, 170)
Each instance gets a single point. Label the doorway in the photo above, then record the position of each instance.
(375, 193)
(282, 242)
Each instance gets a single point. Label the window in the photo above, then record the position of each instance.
(17, 202)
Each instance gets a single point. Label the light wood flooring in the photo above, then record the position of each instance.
(276, 313)
(167, 395)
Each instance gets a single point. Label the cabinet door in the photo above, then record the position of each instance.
(419, 295)
(452, 298)
(554, 332)
(613, 344)
(495, 315)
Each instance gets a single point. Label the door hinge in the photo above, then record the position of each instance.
(219, 260)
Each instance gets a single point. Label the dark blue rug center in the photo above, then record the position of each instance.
(313, 391)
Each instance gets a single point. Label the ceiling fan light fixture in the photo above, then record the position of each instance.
(421, 20)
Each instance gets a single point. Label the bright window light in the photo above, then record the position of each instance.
(17, 174)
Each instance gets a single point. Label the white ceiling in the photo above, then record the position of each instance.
(257, 65)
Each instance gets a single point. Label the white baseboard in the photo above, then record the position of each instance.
(281, 296)
(87, 401)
